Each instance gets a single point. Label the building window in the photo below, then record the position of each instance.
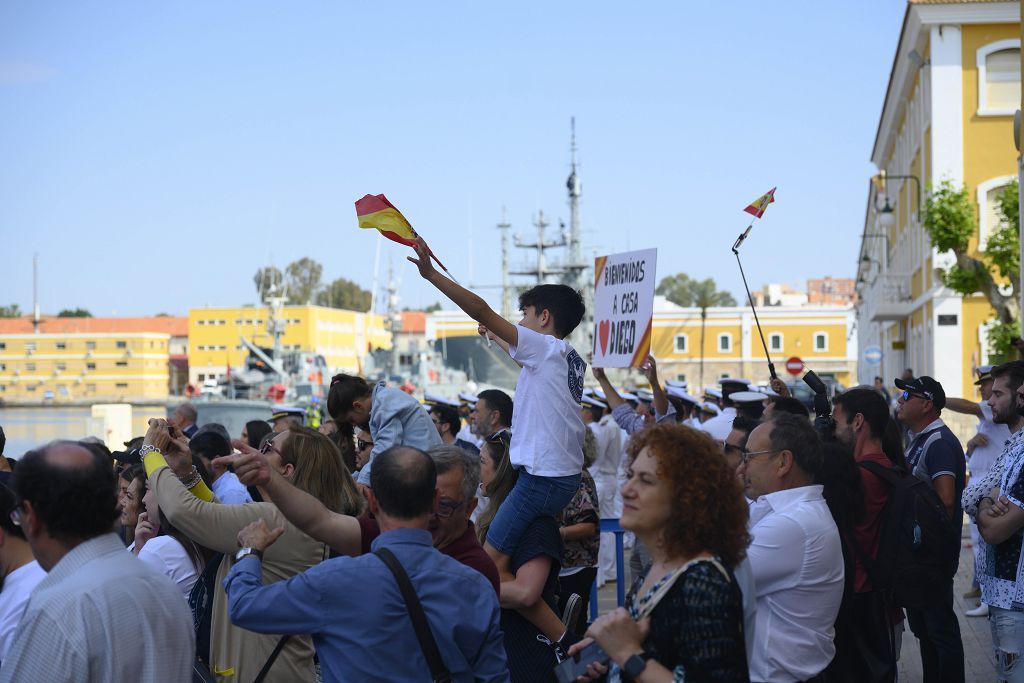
(682, 342)
(775, 341)
(680, 378)
(30, 347)
(90, 366)
(30, 367)
(90, 388)
(3, 366)
(3, 346)
(999, 78)
(122, 345)
(121, 385)
(821, 341)
(725, 342)
(30, 388)
(724, 375)
(61, 346)
(90, 345)
(988, 207)
(61, 367)
(121, 363)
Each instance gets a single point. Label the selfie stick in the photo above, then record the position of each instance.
(736, 250)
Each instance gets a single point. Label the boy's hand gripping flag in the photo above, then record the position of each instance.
(376, 212)
(758, 206)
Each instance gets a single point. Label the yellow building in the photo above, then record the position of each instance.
(342, 337)
(823, 337)
(947, 115)
(110, 359)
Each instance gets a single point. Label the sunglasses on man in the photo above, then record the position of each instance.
(907, 395)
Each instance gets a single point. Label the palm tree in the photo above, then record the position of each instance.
(705, 296)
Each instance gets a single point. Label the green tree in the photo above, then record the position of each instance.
(74, 313)
(303, 278)
(345, 294)
(12, 311)
(266, 279)
(950, 221)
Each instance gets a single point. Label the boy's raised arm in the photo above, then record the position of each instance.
(469, 302)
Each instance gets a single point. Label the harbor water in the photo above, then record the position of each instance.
(29, 427)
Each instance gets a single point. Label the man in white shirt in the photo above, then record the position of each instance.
(19, 571)
(604, 471)
(795, 552)
(212, 441)
(100, 614)
(720, 425)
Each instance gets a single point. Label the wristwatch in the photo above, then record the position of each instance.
(635, 665)
(246, 552)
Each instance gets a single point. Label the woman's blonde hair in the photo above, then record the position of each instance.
(505, 477)
(318, 471)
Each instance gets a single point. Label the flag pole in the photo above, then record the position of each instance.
(736, 250)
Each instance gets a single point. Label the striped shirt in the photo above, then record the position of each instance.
(101, 615)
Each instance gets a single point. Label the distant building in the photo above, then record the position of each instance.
(779, 295)
(829, 291)
(342, 337)
(115, 359)
(409, 342)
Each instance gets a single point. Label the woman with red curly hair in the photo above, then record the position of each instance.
(683, 618)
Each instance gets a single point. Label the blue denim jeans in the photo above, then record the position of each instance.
(938, 632)
(530, 498)
(1008, 642)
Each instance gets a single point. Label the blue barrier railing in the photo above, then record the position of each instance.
(612, 526)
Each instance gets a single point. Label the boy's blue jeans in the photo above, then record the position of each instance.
(530, 498)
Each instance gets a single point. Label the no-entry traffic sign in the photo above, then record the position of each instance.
(794, 366)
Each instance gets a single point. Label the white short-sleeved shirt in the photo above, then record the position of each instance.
(982, 457)
(18, 586)
(547, 429)
(165, 555)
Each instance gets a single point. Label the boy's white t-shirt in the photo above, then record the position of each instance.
(547, 429)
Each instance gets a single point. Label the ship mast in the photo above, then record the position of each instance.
(506, 290)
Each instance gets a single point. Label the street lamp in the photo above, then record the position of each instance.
(886, 217)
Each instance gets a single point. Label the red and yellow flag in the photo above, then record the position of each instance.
(758, 206)
(376, 212)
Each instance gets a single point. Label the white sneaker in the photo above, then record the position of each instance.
(979, 611)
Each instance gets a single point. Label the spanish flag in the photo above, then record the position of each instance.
(376, 212)
(758, 206)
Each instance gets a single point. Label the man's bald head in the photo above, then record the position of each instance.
(72, 490)
(404, 480)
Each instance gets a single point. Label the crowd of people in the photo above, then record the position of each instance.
(460, 539)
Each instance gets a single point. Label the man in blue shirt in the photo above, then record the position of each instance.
(936, 456)
(352, 606)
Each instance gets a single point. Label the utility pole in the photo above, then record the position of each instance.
(506, 290)
(35, 293)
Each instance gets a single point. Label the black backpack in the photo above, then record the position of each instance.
(919, 549)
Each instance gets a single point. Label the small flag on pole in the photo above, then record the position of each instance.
(377, 213)
(758, 206)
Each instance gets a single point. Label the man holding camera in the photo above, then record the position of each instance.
(936, 456)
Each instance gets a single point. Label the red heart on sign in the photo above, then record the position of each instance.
(602, 334)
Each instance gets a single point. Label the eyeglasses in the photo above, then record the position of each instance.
(446, 508)
(729, 448)
(361, 445)
(750, 455)
(908, 395)
(268, 446)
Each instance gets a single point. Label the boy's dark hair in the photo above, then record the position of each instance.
(563, 303)
(788, 404)
(870, 404)
(210, 445)
(345, 390)
(1013, 369)
(500, 401)
(448, 415)
(256, 430)
(796, 435)
(403, 480)
(74, 503)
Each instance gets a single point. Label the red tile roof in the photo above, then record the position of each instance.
(176, 327)
(414, 322)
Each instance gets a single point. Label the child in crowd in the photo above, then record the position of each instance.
(393, 417)
(547, 430)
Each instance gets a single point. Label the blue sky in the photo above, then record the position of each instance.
(156, 154)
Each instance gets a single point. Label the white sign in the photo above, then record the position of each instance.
(624, 308)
